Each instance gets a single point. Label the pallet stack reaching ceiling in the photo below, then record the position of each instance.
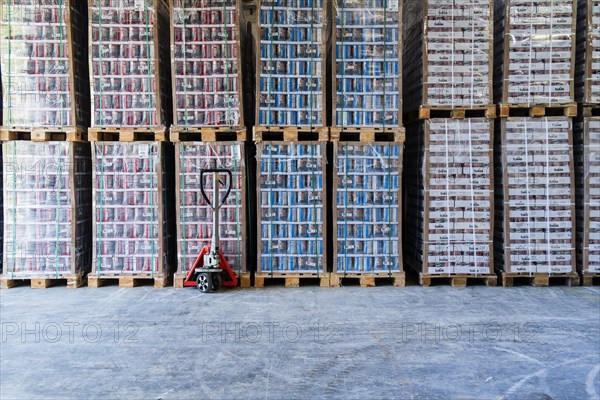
(368, 141)
(587, 140)
(448, 186)
(208, 129)
(534, 171)
(132, 161)
(47, 171)
(291, 138)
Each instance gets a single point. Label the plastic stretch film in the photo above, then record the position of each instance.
(130, 206)
(368, 207)
(536, 51)
(587, 69)
(367, 63)
(206, 63)
(42, 57)
(448, 53)
(292, 214)
(537, 178)
(47, 211)
(587, 146)
(129, 63)
(291, 64)
(449, 196)
(195, 216)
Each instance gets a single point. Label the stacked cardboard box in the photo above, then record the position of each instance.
(48, 209)
(195, 217)
(535, 210)
(292, 220)
(206, 63)
(587, 68)
(290, 67)
(132, 208)
(587, 158)
(367, 63)
(129, 63)
(43, 62)
(449, 197)
(367, 207)
(448, 53)
(535, 51)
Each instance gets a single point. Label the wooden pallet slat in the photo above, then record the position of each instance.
(589, 110)
(43, 282)
(129, 281)
(397, 279)
(590, 279)
(429, 112)
(539, 279)
(540, 110)
(367, 135)
(128, 134)
(44, 134)
(292, 280)
(458, 280)
(207, 134)
(290, 134)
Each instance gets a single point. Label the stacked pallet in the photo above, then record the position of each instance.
(133, 213)
(208, 128)
(587, 159)
(449, 200)
(449, 56)
(587, 70)
(47, 203)
(130, 69)
(43, 62)
(290, 67)
(47, 212)
(535, 204)
(367, 142)
(535, 56)
(291, 142)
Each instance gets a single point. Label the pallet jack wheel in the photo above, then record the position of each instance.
(204, 282)
(216, 281)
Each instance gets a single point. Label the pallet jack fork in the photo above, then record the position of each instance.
(211, 270)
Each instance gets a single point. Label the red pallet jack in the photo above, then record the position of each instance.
(211, 270)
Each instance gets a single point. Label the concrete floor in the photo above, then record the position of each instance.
(274, 343)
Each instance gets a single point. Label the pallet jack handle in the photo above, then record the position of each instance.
(215, 171)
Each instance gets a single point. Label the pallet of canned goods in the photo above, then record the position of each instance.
(587, 70)
(48, 212)
(133, 212)
(366, 210)
(367, 63)
(587, 160)
(535, 204)
(449, 53)
(291, 214)
(290, 66)
(535, 52)
(194, 216)
(43, 61)
(449, 199)
(206, 64)
(129, 63)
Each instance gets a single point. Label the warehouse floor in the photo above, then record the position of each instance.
(413, 342)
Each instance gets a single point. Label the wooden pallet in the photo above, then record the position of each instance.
(539, 279)
(427, 112)
(243, 280)
(129, 281)
(397, 279)
(292, 280)
(590, 279)
(290, 134)
(209, 134)
(44, 134)
(457, 280)
(43, 282)
(526, 110)
(589, 110)
(128, 134)
(367, 135)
